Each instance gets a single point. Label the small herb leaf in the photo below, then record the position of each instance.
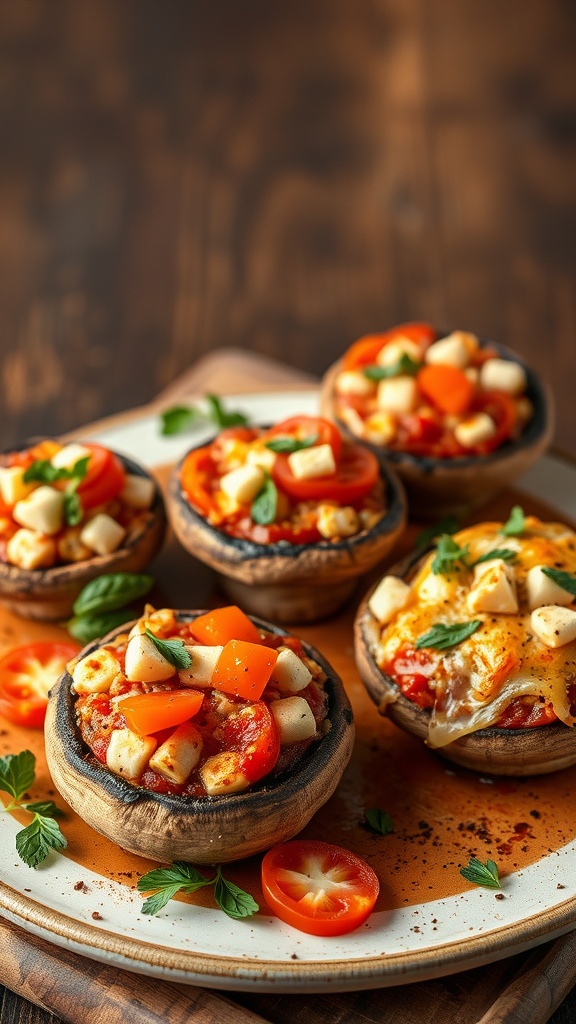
(154, 904)
(286, 445)
(47, 808)
(17, 773)
(178, 419)
(566, 580)
(221, 417)
(448, 554)
(34, 842)
(72, 508)
(442, 637)
(179, 873)
(265, 504)
(405, 366)
(379, 821)
(111, 591)
(85, 628)
(481, 874)
(506, 554)
(42, 471)
(448, 525)
(515, 524)
(235, 902)
(174, 651)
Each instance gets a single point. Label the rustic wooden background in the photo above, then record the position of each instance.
(181, 176)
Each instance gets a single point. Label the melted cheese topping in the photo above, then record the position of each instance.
(476, 680)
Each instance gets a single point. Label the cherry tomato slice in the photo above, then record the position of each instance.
(251, 732)
(26, 675)
(365, 351)
(105, 477)
(356, 474)
(197, 471)
(318, 888)
(147, 713)
(300, 427)
(224, 624)
(244, 669)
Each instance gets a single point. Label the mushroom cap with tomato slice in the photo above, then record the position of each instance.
(203, 830)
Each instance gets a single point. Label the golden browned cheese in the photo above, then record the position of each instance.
(476, 680)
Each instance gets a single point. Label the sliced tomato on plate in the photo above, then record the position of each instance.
(27, 673)
(318, 888)
(356, 473)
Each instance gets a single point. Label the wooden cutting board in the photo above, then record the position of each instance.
(523, 989)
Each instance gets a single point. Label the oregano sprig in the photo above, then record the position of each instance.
(33, 843)
(183, 877)
(180, 418)
(481, 874)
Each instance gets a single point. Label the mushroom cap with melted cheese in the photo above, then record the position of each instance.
(517, 665)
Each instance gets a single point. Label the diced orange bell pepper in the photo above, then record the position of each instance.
(244, 669)
(224, 624)
(446, 387)
(147, 713)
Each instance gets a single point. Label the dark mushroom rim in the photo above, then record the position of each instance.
(412, 564)
(244, 549)
(537, 426)
(156, 510)
(317, 757)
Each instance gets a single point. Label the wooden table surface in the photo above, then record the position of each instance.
(176, 178)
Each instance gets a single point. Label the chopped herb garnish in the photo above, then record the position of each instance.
(174, 651)
(378, 821)
(505, 554)
(448, 525)
(182, 877)
(442, 637)
(516, 522)
(265, 504)
(43, 834)
(481, 874)
(566, 580)
(448, 554)
(286, 445)
(405, 366)
(42, 471)
(181, 418)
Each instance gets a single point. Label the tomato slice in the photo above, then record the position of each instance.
(224, 624)
(244, 669)
(198, 470)
(300, 427)
(105, 477)
(318, 888)
(365, 351)
(147, 713)
(252, 733)
(26, 675)
(356, 473)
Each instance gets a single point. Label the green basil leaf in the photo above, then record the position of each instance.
(34, 842)
(17, 773)
(516, 522)
(111, 591)
(85, 628)
(42, 471)
(506, 554)
(448, 525)
(174, 651)
(481, 874)
(73, 511)
(265, 504)
(235, 902)
(442, 637)
(221, 417)
(286, 445)
(448, 553)
(179, 419)
(47, 808)
(566, 580)
(379, 821)
(179, 873)
(405, 367)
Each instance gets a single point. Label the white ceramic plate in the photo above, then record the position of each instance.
(200, 946)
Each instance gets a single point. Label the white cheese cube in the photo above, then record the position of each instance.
(294, 719)
(128, 754)
(177, 757)
(380, 428)
(222, 773)
(144, 662)
(390, 596)
(69, 455)
(352, 382)
(553, 625)
(31, 550)
(103, 534)
(494, 588)
(541, 589)
(12, 486)
(312, 462)
(42, 510)
(290, 672)
(243, 484)
(96, 672)
(155, 619)
(435, 587)
(397, 395)
(453, 350)
(337, 522)
(203, 664)
(138, 491)
(503, 375)
(475, 429)
(263, 458)
(392, 353)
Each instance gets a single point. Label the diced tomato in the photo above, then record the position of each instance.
(198, 470)
(526, 713)
(447, 388)
(244, 669)
(105, 477)
(252, 733)
(356, 474)
(27, 674)
(301, 427)
(224, 624)
(412, 670)
(148, 713)
(318, 888)
(502, 408)
(365, 351)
